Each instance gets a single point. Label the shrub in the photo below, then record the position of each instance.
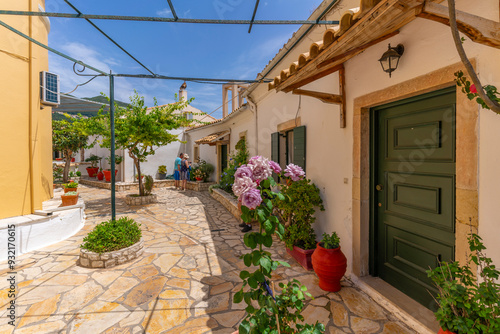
(330, 241)
(148, 184)
(302, 197)
(112, 235)
(162, 169)
(78, 173)
(205, 168)
(240, 157)
(71, 185)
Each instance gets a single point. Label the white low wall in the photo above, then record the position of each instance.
(33, 232)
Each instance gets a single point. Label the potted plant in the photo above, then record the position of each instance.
(100, 175)
(199, 175)
(69, 198)
(329, 262)
(162, 172)
(297, 211)
(468, 302)
(93, 169)
(72, 186)
(107, 172)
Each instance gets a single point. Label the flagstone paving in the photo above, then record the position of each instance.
(183, 283)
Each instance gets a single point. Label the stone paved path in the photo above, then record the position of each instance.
(183, 283)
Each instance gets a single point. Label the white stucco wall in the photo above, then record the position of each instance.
(428, 47)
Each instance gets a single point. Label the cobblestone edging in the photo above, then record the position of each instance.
(123, 186)
(133, 199)
(110, 259)
(227, 201)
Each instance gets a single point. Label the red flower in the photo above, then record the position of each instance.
(473, 89)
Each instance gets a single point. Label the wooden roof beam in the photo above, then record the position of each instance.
(316, 76)
(324, 97)
(478, 29)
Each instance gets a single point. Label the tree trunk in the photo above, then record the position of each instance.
(141, 186)
(67, 159)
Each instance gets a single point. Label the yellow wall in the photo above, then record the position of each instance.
(25, 126)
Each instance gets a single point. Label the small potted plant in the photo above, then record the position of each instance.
(162, 172)
(100, 175)
(107, 172)
(72, 186)
(93, 169)
(69, 198)
(329, 263)
(199, 175)
(468, 302)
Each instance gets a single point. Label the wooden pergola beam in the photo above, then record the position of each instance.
(478, 29)
(324, 97)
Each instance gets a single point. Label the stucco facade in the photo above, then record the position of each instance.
(26, 129)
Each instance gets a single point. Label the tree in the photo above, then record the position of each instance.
(69, 136)
(140, 130)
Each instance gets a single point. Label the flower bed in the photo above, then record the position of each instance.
(133, 199)
(110, 259)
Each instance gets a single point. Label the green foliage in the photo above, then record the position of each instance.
(148, 184)
(78, 173)
(162, 169)
(70, 193)
(284, 311)
(468, 304)
(330, 241)
(298, 208)
(71, 185)
(118, 159)
(112, 235)
(201, 168)
(57, 172)
(212, 187)
(240, 157)
(471, 92)
(93, 159)
(142, 130)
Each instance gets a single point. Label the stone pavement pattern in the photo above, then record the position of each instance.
(183, 283)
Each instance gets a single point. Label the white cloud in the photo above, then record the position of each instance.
(163, 12)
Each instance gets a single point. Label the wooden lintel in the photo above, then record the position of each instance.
(324, 97)
(312, 78)
(357, 50)
(478, 29)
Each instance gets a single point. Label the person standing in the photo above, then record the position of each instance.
(184, 171)
(177, 170)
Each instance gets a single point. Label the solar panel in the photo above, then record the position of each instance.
(49, 88)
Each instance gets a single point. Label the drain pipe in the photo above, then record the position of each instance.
(253, 108)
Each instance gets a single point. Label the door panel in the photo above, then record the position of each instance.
(414, 204)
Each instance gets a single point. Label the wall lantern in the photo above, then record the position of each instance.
(390, 58)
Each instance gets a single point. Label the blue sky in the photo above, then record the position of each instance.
(174, 49)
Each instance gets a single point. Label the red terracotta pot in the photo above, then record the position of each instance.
(92, 171)
(72, 159)
(441, 331)
(69, 200)
(107, 175)
(302, 256)
(58, 159)
(199, 179)
(330, 265)
(100, 176)
(66, 190)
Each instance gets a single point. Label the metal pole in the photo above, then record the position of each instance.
(112, 125)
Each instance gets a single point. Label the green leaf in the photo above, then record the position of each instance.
(247, 259)
(265, 263)
(238, 297)
(268, 240)
(244, 274)
(268, 226)
(261, 215)
(252, 282)
(265, 184)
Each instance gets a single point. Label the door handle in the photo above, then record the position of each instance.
(379, 187)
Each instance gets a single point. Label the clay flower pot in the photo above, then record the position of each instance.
(107, 174)
(100, 176)
(66, 190)
(441, 331)
(199, 179)
(302, 256)
(330, 265)
(92, 171)
(69, 200)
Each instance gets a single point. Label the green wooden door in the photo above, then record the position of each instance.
(223, 157)
(413, 191)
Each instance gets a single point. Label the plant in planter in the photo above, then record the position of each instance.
(199, 175)
(100, 175)
(93, 169)
(162, 172)
(72, 186)
(277, 312)
(468, 302)
(329, 262)
(112, 235)
(57, 172)
(297, 211)
(69, 198)
(107, 172)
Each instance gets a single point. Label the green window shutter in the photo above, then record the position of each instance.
(299, 146)
(275, 147)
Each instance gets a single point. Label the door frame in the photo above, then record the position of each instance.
(374, 161)
(466, 186)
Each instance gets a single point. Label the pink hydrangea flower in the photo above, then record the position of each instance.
(251, 198)
(275, 167)
(243, 184)
(294, 172)
(243, 170)
(261, 169)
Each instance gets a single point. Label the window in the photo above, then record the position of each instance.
(196, 153)
(289, 147)
(188, 115)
